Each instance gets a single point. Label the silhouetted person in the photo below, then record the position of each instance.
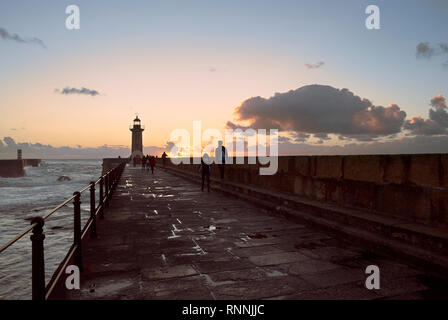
(220, 158)
(205, 171)
(147, 162)
(152, 163)
(164, 155)
(143, 162)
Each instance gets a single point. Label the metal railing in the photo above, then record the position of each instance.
(107, 184)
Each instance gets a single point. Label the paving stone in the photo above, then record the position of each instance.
(334, 277)
(209, 266)
(236, 275)
(350, 291)
(259, 289)
(277, 258)
(162, 238)
(255, 251)
(169, 272)
(308, 266)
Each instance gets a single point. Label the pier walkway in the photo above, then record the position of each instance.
(162, 238)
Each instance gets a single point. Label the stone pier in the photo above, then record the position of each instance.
(15, 167)
(162, 238)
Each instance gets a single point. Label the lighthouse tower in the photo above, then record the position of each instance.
(137, 140)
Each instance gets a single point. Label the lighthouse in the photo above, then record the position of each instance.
(137, 139)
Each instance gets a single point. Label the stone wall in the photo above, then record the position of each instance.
(11, 168)
(15, 167)
(31, 162)
(110, 163)
(408, 186)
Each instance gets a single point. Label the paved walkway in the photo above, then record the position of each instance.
(163, 238)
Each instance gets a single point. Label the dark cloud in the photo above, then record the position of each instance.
(315, 66)
(438, 102)
(437, 123)
(420, 126)
(319, 109)
(444, 47)
(83, 91)
(439, 114)
(426, 50)
(283, 139)
(234, 126)
(322, 137)
(300, 136)
(5, 35)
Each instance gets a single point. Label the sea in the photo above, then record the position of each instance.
(36, 194)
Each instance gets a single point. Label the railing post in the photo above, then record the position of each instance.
(38, 262)
(92, 210)
(77, 241)
(107, 190)
(101, 198)
(112, 182)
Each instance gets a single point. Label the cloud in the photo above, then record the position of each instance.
(169, 145)
(315, 66)
(8, 149)
(300, 136)
(437, 123)
(5, 35)
(322, 137)
(405, 145)
(9, 141)
(234, 126)
(283, 139)
(439, 114)
(158, 150)
(426, 50)
(319, 109)
(83, 91)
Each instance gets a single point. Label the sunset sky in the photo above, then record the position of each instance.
(173, 62)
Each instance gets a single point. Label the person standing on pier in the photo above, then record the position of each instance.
(147, 162)
(164, 155)
(204, 168)
(152, 163)
(220, 158)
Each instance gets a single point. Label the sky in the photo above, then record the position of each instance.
(309, 68)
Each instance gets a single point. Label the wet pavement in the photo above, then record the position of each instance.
(163, 238)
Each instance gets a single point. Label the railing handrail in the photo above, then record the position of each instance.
(18, 237)
(59, 206)
(41, 290)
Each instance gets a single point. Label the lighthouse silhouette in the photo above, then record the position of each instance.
(137, 139)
